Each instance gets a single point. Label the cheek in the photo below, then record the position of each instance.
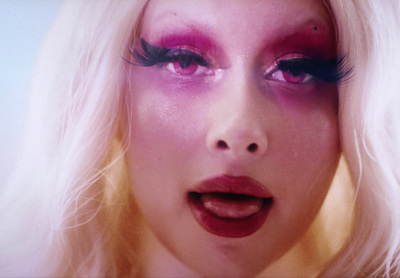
(309, 142)
(164, 131)
(161, 124)
(308, 133)
(307, 152)
(153, 157)
(162, 116)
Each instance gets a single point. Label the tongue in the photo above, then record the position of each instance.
(231, 205)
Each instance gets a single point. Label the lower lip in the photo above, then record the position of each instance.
(228, 227)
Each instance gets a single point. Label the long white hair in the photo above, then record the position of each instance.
(68, 209)
(53, 212)
(369, 118)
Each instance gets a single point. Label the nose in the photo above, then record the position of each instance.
(245, 143)
(238, 127)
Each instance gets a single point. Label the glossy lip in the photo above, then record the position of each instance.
(230, 227)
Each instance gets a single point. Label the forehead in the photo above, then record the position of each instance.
(251, 20)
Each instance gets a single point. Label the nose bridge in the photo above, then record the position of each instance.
(237, 125)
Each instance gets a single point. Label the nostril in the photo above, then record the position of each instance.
(252, 147)
(222, 144)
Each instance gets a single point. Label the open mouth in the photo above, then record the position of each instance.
(227, 211)
(228, 205)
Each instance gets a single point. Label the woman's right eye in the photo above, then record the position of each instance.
(179, 61)
(188, 64)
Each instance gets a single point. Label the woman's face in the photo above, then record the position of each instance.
(232, 151)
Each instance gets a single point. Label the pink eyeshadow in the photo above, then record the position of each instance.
(189, 39)
(312, 43)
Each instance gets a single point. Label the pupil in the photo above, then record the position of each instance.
(185, 62)
(295, 73)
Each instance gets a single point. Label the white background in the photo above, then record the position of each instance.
(23, 25)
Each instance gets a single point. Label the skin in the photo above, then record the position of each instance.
(175, 121)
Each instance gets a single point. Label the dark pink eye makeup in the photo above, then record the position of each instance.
(190, 43)
(192, 39)
(327, 70)
(308, 43)
(190, 53)
(294, 70)
(151, 55)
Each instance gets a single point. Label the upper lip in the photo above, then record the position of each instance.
(234, 185)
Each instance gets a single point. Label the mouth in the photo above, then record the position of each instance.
(230, 206)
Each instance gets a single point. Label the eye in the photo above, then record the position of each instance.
(187, 64)
(179, 61)
(293, 70)
(289, 76)
(301, 70)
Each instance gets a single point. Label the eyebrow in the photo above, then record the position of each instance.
(310, 21)
(311, 37)
(193, 34)
(309, 34)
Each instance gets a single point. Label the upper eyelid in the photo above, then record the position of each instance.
(180, 53)
(327, 70)
(150, 55)
(286, 57)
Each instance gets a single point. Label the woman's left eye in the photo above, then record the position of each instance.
(289, 76)
(294, 71)
(302, 70)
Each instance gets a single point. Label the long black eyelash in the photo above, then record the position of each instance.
(150, 55)
(330, 70)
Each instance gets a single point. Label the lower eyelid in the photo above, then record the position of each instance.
(278, 76)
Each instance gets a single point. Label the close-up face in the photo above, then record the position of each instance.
(232, 122)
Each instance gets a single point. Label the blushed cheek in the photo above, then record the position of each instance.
(307, 141)
(165, 114)
(309, 161)
(164, 129)
(318, 139)
(307, 100)
(313, 123)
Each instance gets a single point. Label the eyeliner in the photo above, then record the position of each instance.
(328, 70)
(151, 55)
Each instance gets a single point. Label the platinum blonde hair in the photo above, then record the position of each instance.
(369, 116)
(67, 210)
(55, 207)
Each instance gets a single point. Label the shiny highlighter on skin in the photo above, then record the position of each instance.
(226, 205)
(292, 68)
(233, 134)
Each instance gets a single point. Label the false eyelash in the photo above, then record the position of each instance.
(330, 70)
(150, 55)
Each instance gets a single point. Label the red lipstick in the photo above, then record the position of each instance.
(230, 206)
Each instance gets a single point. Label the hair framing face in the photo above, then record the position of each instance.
(370, 134)
(74, 117)
(74, 164)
